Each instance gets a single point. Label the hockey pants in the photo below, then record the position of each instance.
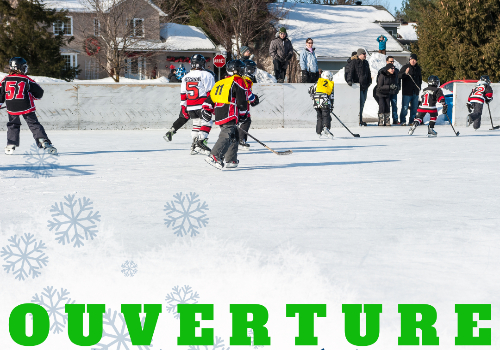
(324, 119)
(14, 128)
(245, 126)
(476, 115)
(420, 118)
(226, 147)
(201, 128)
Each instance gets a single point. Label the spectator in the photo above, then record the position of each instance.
(411, 81)
(320, 71)
(359, 72)
(393, 97)
(354, 56)
(309, 63)
(387, 85)
(171, 76)
(246, 54)
(281, 51)
(382, 40)
(180, 72)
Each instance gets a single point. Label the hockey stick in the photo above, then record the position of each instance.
(355, 135)
(280, 153)
(456, 132)
(492, 127)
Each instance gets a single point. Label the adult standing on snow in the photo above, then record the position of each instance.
(393, 97)
(359, 72)
(309, 63)
(382, 40)
(411, 79)
(387, 85)
(281, 51)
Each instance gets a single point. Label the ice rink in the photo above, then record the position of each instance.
(386, 219)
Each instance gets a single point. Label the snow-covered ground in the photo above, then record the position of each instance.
(385, 218)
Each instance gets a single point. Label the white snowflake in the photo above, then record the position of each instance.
(54, 302)
(250, 334)
(184, 295)
(115, 334)
(129, 268)
(39, 162)
(74, 221)
(186, 214)
(29, 259)
(218, 345)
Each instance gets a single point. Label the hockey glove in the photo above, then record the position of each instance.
(243, 118)
(185, 112)
(469, 107)
(445, 109)
(206, 115)
(255, 102)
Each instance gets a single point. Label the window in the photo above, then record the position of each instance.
(63, 27)
(137, 25)
(97, 27)
(70, 59)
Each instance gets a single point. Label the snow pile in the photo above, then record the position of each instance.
(39, 79)
(179, 37)
(377, 61)
(109, 80)
(264, 77)
(408, 32)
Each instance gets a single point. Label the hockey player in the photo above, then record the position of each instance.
(18, 92)
(195, 88)
(480, 94)
(431, 95)
(228, 102)
(253, 100)
(323, 96)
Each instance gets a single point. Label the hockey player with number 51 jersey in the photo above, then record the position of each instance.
(481, 93)
(431, 95)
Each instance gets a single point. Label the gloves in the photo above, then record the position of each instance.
(185, 112)
(349, 83)
(206, 115)
(393, 87)
(243, 118)
(255, 102)
(445, 109)
(469, 107)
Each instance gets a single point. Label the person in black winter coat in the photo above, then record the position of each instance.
(387, 85)
(393, 97)
(347, 68)
(359, 72)
(411, 81)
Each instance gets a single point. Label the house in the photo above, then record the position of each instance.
(151, 44)
(338, 30)
(407, 34)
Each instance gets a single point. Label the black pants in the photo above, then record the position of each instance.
(279, 70)
(245, 126)
(309, 77)
(179, 123)
(476, 115)
(14, 128)
(324, 119)
(226, 147)
(384, 104)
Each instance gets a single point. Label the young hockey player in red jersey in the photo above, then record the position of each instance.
(480, 94)
(253, 100)
(19, 92)
(195, 88)
(431, 95)
(228, 102)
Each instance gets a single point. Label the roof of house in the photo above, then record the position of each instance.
(179, 37)
(86, 6)
(408, 31)
(337, 30)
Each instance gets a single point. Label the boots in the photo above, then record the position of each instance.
(381, 119)
(387, 119)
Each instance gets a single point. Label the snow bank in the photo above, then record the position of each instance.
(179, 37)
(408, 32)
(264, 77)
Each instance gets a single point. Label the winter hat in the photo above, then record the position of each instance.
(354, 53)
(244, 49)
(389, 66)
(282, 30)
(361, 52)
(172, 66)
(413, 56)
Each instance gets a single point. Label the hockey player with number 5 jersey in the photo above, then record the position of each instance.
(431, 95)
(481, 93)
(19, 92)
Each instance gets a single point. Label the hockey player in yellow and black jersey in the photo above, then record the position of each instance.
(19, 92)
(228, 103)
(323, 97)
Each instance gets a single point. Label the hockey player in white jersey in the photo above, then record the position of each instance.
(195, 88)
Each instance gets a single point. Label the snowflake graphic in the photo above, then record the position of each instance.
(218, 345)
(115, 334)
(28, 253)
(250, 334)
(129, 268)
(184, 295)
(54, 302)
(186, 214)
(39, 162)
(74, 220)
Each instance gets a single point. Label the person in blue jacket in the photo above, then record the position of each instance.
(382, 40)
(309, 63)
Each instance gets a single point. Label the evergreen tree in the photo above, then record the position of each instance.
(25, 33)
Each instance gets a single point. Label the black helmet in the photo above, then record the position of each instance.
(19, 64)
(235, 67)
(486, 79)
(198, 61)
(250, 68)
(433, 81)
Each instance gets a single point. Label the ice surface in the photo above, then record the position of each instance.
(386, 218)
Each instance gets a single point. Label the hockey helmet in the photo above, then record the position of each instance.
(327, 75)
(19, 64)
(198, 61)
(433, 81)
(484, 80)
(250, 68)
(235, 67)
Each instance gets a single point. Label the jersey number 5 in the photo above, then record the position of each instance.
(192, 88)
(10, 90)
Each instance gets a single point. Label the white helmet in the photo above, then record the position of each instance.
(327, 75)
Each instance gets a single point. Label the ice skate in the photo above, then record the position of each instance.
(431, 132)
(412, 128)
(46, 145)
(9, 149)
(169, 134)
(232, 164)
(201, 147)
(213, 161)
(244, 146)
(328, 134)
(193, 147)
